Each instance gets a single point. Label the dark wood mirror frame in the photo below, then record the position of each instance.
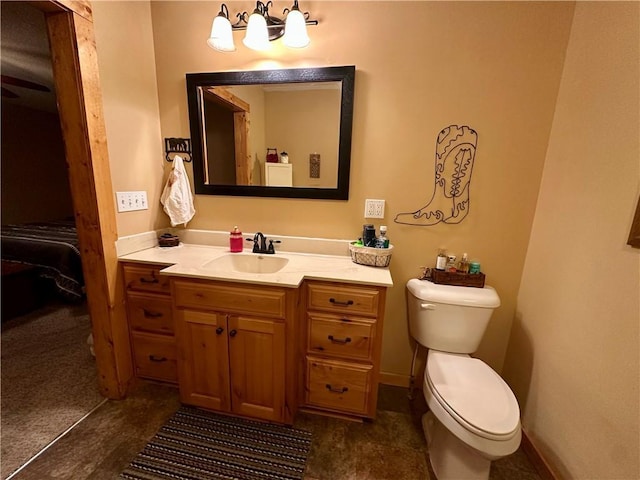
(634, 234)
(345, 75)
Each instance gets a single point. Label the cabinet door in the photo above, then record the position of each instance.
(257, 366)
(203, 353)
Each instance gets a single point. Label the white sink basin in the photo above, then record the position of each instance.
(247, 263)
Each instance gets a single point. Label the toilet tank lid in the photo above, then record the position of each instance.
(427, 291)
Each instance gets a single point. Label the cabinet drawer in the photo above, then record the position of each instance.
(150, 312)
(232, 299)
(146, 278)
(155, 356)
(338, 385)
(342, 299)
(340, 337)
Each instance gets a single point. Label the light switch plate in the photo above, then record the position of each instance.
(373, 208)
(129, 201)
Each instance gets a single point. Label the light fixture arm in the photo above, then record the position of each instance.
(272, 22)
(224, 12)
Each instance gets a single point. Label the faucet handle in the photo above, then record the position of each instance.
(271, 249)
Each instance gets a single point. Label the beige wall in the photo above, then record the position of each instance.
(494, 66)
(128, 78)
(573, 355)
(304, 122)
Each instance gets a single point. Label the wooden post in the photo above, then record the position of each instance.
(77, 82)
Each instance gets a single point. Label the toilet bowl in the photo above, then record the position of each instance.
(473, 415)
(476, 418)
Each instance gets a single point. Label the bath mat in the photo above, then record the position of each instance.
(197, 444)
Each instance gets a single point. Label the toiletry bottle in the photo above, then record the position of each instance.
(235, 240)
(441, 260)
(369, 235)
(474, 267)
(463, 266)
(382, 241)
(451, 263)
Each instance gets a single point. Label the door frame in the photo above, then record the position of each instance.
(80, 107)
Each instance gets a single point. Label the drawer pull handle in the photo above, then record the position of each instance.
(233, 333)
(336, 390)
(150, 314)
(340, 303)
(149, 280)
(153, 358)
(339, 340)
(219, 330)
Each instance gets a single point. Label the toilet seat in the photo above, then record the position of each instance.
(473, 394)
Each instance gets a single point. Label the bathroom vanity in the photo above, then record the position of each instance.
(260, 345)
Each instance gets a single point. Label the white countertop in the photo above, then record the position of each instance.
(188, 260)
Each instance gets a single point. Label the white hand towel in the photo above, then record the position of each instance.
(176, 196)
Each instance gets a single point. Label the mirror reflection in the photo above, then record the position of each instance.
(283, 135)
(272, 133)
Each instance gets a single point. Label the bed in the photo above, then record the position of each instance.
(52, 248)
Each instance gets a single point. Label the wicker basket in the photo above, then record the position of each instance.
(374, 257)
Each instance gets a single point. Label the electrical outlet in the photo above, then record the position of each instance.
(129, 201)
(373, 208)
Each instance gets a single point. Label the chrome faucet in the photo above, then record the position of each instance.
(260, 244)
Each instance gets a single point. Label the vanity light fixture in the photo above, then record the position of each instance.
(261, 28)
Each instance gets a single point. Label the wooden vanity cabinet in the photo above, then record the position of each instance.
(232, 352)
(151, 325)
(342, 344)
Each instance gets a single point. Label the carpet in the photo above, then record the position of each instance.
(49, 379)
(197, 444)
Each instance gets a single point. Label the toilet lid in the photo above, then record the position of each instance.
(473, 393)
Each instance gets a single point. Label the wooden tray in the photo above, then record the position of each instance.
(457, 278)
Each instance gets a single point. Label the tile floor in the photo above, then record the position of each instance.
(390, 448)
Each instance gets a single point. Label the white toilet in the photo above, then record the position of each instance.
(474, 417)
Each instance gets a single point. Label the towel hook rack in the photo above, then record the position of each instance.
(180, 146)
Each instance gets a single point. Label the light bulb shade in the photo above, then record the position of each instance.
(221, 38)
(257, 36)
(295, 30)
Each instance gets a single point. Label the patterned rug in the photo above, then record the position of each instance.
(200, 445)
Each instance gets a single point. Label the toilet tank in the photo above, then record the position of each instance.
(448, 318)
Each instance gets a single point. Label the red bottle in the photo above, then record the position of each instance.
(235, 240)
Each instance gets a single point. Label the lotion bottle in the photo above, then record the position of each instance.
(235, 240)
(463, 266)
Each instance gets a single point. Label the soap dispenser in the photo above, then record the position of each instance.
(235, 240)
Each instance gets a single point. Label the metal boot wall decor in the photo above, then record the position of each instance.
(455, 153)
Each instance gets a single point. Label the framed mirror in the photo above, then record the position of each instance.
(272, 133)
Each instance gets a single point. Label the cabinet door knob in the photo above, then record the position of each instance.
(149, 280)
(153, 358)
(341, 303)
(233, 333)
(219, 330)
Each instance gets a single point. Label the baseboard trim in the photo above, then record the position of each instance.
(538, 461)
(394, 379)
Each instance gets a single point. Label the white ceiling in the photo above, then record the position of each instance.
(25, 54)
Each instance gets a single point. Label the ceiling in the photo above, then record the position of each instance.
(25, 55)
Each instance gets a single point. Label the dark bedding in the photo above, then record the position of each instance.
(50, 246)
